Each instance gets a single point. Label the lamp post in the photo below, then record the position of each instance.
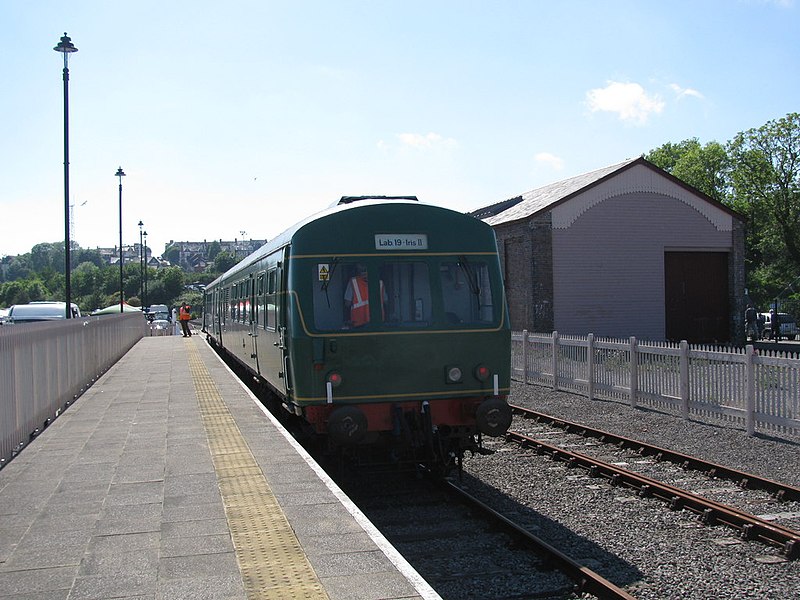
(66, 47)
(145, 264)
(141, 265)
(120, 174)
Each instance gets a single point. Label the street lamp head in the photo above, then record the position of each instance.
(65, 45)
(141, 224)
(120, 173)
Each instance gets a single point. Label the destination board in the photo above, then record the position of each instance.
(401, 241)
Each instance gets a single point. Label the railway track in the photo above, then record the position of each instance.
(750, 527)
(465, 548)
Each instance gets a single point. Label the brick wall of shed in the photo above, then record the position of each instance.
(737, 283)
(526, 253)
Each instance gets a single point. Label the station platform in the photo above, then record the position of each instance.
(168, 480)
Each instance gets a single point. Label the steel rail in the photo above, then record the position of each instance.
(781, 491)
(749, 526)
(585, 579)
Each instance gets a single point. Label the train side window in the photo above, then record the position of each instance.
(239, 301)
(248, 294)
(260, 300)
(406, 291)
(272, 300)
(466, 292)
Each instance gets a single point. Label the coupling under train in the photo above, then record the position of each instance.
(380, 322)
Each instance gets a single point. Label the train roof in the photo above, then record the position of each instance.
(346, 203)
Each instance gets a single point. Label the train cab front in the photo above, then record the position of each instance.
(399, 342)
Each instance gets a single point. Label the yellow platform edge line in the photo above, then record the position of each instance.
(264, 542)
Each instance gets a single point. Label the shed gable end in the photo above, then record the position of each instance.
(638, 179)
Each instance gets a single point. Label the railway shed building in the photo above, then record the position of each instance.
(626, 250)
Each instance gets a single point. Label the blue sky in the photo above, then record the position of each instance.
(247, 116)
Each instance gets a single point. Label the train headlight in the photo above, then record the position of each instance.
(454, 374)
(482, 372)
(335, 379)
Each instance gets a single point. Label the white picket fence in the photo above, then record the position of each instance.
(741, 386)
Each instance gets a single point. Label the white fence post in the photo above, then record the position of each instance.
(555, 360)
(750, 400)
(525, 356)
(634, 383)
(684, 366)
(590, 366)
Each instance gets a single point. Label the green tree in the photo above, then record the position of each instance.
(172, 254)
(132, 279)
(706, 168)
(766, 180)
(19, 267)
(213, 249)
(83, 255)
(224, 261)
(85, 278)
(171, 279)
(23, 291)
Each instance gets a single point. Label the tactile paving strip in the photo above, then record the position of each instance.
(271, 560)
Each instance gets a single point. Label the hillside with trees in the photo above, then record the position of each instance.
(39, 275)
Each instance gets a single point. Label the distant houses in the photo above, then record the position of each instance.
(190, 256)
(130, 254)
(196, 256)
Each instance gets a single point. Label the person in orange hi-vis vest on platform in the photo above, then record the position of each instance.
(184, 316)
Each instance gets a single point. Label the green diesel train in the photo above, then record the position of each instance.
(380, 321)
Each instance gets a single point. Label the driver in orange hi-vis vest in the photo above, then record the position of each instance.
(357, 295)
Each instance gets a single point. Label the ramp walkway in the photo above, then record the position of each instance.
(167, 479)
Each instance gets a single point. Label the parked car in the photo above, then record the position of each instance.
(41, 311)
(787, 322)
(160, 326)
(157, 312)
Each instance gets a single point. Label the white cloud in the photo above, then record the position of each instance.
(628, 100)
(551, 160)
(683, 92)
(430, 140)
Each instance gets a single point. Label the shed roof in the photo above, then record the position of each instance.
(545, 198)
(535, 201)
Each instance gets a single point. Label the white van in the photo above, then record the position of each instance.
(788, 325)
(41, 311)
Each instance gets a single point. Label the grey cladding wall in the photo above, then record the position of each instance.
(608, 264)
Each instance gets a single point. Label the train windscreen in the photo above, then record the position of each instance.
(343, 290)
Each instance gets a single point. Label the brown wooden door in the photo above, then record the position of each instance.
(696, 296)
